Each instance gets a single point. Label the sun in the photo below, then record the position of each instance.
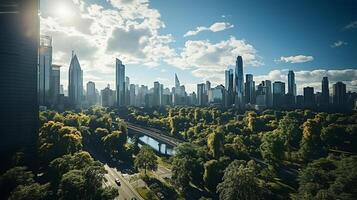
(63, 11)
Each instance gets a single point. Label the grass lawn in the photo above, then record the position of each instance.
(146, 193)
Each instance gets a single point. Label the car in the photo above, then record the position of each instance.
(117, 181)
(133, 198)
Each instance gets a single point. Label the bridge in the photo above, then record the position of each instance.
(156, 134)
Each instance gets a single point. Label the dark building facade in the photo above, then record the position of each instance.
(19, 36)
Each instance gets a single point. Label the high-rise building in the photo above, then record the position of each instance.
(239, 82)
(55, 82)
(108, 97)
(201, 94)
(127, 95)
(157, 95)
(19, 35)
(339, 94)
(132, 95)
(309, 97)
(261, 101)
(216, 96)
(249, 89)
(120, 82)
(75, 83)
(91, 93)
(177, 81)
(44, 71)
(268, 93)
(291, 83)
(325, 92)
(229, 86)
(278, 94)
(291, 95)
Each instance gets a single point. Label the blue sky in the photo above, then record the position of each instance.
(199, 39)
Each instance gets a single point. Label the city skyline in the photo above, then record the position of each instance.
(226, 34)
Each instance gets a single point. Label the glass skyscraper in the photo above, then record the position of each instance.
(45, 70)
(239, 81)
(75, 83)
(120, 82)
(19, 23)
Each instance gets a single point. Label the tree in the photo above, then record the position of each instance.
(14, 177)
(146, 159)
(72, 185)
(215, 143)
(272, 147)
(239, 182)
(114, 142)
(30, 192)
(182, 172)
(212, 174)
(311, 146)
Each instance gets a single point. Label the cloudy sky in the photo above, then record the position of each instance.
(199, 39)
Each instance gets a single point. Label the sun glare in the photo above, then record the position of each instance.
(63, 11)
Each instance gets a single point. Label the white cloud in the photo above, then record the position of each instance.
(351, 25)
(295, 59)
(338, 44)
(313, 78)
(209, 60)
(216, 27)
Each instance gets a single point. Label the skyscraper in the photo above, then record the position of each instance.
(157, 94)
(278, 94)
(108, 97)
(75, 83)
(291, 95)
(55, 82)
(127, 95)
(91, 93)
(229, 86)
(132, 95)
(18, 79)
(201, 94)
(44, 70)
(268, 93)
(325, 93)
(309, 97)
(177, 82)
(291, 83)
(120, 82)
(249, 89)
(339, 94)
(239, 82)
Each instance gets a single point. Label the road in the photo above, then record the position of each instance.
(126, 191)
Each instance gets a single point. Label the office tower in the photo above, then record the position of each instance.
(108, 97)
(201, 94)
(177, 82)
(75, 83)
(339, 94)
(192, 99)
(239, 82)
(325, 93)
(55, 82)
(132, 94)
(291, 83)
(268, 93)
(44, 70)
(229, 86)
(120, 82)
(208, 86)
(309, 97)
(249, 89)
(157, 94)
(260, 100)
(290, 97)
(91, 93)
(278, 94)
(216, 96)
(19, 35)
(127, 95)
(178, 92)
(61, 89)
